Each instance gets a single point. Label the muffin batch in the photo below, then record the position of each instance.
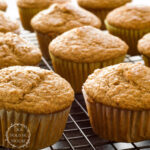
(86, 59)
(59, 19)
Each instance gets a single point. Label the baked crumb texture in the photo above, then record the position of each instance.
(123, 86)
(60, 18)
(33, 90)
(14, 50)
(130, 16)
(87, 44)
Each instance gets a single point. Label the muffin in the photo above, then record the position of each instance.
(3, 5)
(14, 50)
(29, 8)
(7, 24)
(144, 48)
(59, 19)
(78, 52)
(130, 23)
(118, 102)
(101, 7)
(34, 105)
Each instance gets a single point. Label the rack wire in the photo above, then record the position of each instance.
(78, 134)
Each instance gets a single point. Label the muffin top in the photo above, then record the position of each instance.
(123, 86)
(96, 4)
(33, 90)
(33, 3)
(14, 50)
(60, 18)
(144, 45)
(87, 44)
(130, 16)
(6, 24)
(3, 5)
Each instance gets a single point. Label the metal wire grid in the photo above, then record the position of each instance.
(78, 134)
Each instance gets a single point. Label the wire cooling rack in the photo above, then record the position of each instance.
(78, 134)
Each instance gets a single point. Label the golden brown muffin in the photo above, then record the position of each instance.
(14, 50)
(87, 44)
(38, 3)
(7, 24)
(33, 3)
(3, 5)
(102, 4)
(129, 22)
(88, 47)
(101, 7)
(144, 48)
(33, 90)
(59, 19)
(130, 17)
(123, 93)
(36, 98)
(29, 8)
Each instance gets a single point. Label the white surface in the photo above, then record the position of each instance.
(12, 9)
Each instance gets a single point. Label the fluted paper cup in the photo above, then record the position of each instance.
(77, 73)
(116, 124)
(19, 130)
(130, 36)
(101, 14)
(26, 14)
(44, 39)
(146, 60)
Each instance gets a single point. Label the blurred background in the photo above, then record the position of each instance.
(13, 11)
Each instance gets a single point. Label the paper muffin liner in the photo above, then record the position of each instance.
(44, 39)
(20, 130)
(146, 60)
(26, 14)
(101, 14)
(130, 36)
(4, 9)
(116, 124)
(77, 73)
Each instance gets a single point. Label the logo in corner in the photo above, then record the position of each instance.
(18, 136)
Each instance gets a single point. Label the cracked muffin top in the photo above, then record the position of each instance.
(60, 18)
(3, 5)
(33, 90)
(87, 44)
(8, 25)
(106, 4)
(125, 86)
(39, 3)
(14, 50)
(144, 45)
(130, 16)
